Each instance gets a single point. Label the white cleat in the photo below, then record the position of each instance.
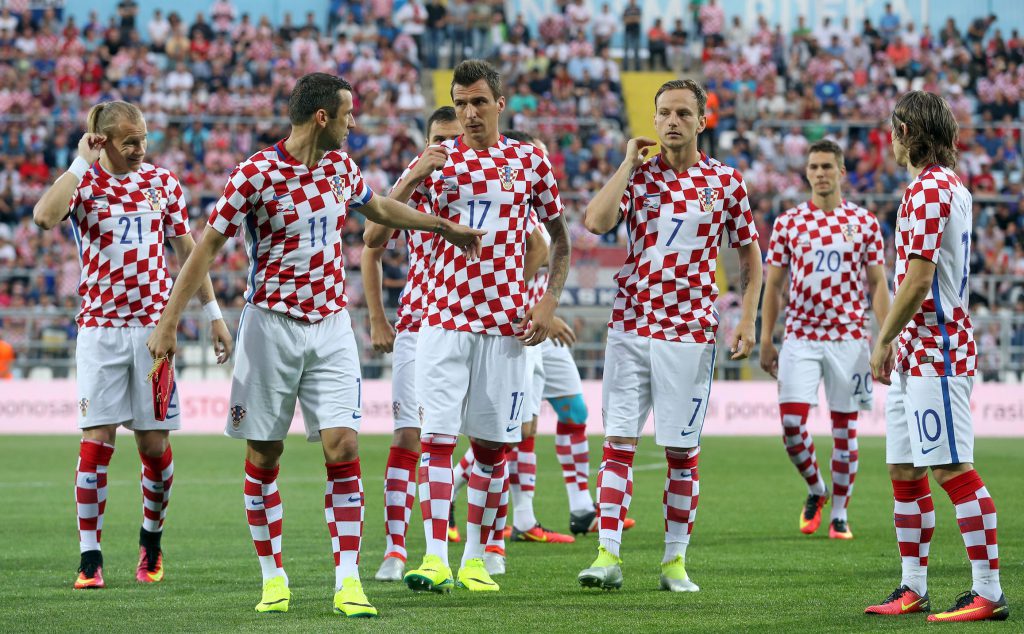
(494, 564)
(392, 569)
(674, 577)
(678, 585)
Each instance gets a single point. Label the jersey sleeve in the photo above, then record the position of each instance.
(626, 202)
(239, 197)
(73, 204)
(739, 222)
(175, 215)
(361, 192)
(778, 246)
(875, 255)
(928, 214)
(545, 199)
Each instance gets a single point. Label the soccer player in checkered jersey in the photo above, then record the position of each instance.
(295, 339)
(677, 206)
(470, 369)
(400, 472)
(828, 247)
(122, 209)
(926, 353)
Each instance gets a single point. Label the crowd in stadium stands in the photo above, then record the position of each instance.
(214, 88)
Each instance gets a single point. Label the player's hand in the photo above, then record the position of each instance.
(432, 159)
(538, 321)
(636, 151)
(89, 147)
(163, 341)
(561, 333)
(743, 340)
(464, 237)
(382, 335)
(770, 358)
(883, 362)
(223, 344)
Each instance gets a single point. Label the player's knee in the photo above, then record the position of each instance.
(264, 454)
(104, 433)
(570, 409)
(907, 472)
(407, 438)
(152, 444)
(340, 444)
(945, 473)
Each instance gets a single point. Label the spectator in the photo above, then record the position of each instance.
(657, 46)
(632, 16)
(605, 26)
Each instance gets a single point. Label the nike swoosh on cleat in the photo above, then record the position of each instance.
(906, 606)
(491, 583)
(930, 449)
(273, 602)
(949, 615)
(360, 605)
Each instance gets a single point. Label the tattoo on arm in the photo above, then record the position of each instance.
(561, 252)
(744, 275)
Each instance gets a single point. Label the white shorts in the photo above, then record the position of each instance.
(534, 382)
(403, 380)
(561, 376)
(928, 420)
(113, 389)
(278, 360)
(470, 383)
(843, 364)
(673, 377)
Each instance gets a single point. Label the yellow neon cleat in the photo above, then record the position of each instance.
(276, 596)
(473, 576)
(351, 600)
(433, 575)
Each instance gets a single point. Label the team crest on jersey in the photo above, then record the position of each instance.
(237, 414)
(507, 176)
(83, 406)
(707, 197)
(338, 185)
(850, 231)
(154, 199)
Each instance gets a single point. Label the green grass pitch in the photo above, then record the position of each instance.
(756, 571)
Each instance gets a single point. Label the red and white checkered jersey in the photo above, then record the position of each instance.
(536, 287)
(934, 223)
(120, 224)
(418, 244)
(827, 253)
(495, 190)
(675, 223)
(293, 216)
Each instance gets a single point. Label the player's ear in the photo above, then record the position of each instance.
(501, 103)
(702, 122)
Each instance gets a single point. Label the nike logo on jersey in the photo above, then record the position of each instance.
(356, 416)
(511, 428)
(930, 449)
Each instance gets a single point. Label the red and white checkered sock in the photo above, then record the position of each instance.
(399, 496)
(574, 457)
(497, 537)
(435, 476)
(976, 516)
(157, 476)
(461, 473)
(523, 462)
(914, 516)
(614, 492)
(91, 491)
(265, 513)
(800, 445)
(682, 491)
(844, 461)
(343, 508)
(483, 497)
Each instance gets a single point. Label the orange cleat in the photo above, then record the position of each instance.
(151, 565)
(810, 517)
(839, 529)
(971, 606)
(903, 600)
(540, 534)
(90, 571)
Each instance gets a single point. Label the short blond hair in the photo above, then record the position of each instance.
(104, 116)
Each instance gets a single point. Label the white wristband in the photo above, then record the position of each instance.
(79, 167)
(212, 311)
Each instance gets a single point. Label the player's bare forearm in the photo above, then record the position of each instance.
(536, 255)
(878, 286)
(53, 204)
(403, 189)
(772, 301)
(560, 256)
(909, 297)
(193, 274)
(602, 213)
(397, 215)
(183, 247)
(750, 279)
(372, 276)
